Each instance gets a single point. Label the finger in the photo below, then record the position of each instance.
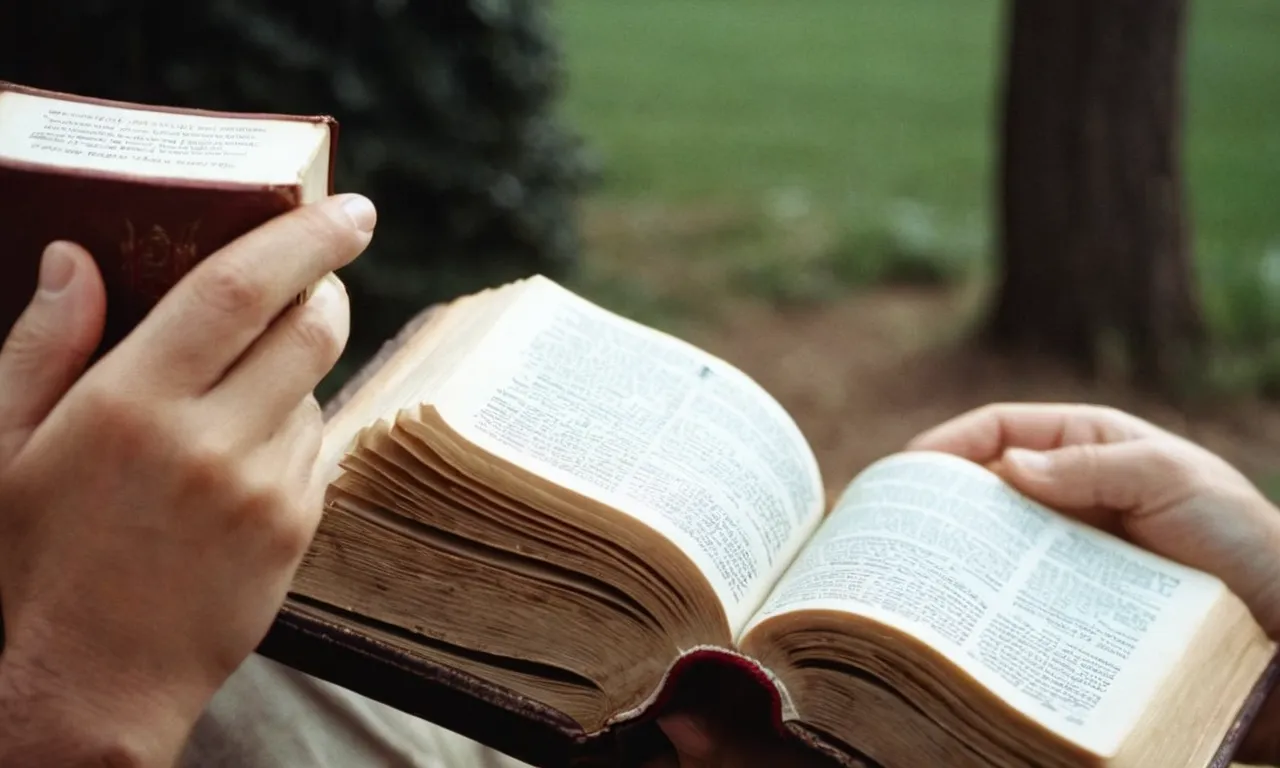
(288, 461)
(1098, 484)
(1118, 476)
(1170, 507)
(691, 737)
(49, 345)
(982, 435)
(304, 465)
(298, 444)
(217, 311)
(287, 361)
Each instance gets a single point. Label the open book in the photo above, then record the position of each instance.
(535, 493)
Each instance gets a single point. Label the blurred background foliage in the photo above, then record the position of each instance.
(856, 142)
(807, 189)
(446, 113)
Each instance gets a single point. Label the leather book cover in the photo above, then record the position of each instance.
(346, 649)
(144, 232)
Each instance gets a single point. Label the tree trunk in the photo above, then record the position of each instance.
(1093, 236)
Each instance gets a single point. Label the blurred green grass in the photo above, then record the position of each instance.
(841, 100)
(854, 136)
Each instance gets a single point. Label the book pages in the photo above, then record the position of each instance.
(649, 425)
(1069, 625)
(134, 140)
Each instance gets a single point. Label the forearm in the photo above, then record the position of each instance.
(41, 724)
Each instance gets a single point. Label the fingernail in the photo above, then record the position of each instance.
(57, 267)
(1031, 461)
(361, 211)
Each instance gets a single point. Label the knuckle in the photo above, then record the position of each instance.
(230, 290)
(1171, 464)
(1163, 475)
(116, 414)
(1092, 476)
(991, 409)
(1090, 458)
(41, 338)
(26, 340)
(208, 466)
(290, 537)
(264, 505)
(271, 514)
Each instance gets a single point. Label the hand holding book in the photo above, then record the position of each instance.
(540, 517)
(1111, 469)
(153, 508)
(594, 509)
(1124, 475)
(1159, 490)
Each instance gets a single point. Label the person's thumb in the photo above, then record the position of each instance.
(51, 342)
(1115, 476)
(1182, 505)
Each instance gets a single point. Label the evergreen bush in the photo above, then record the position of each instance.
(447, 114)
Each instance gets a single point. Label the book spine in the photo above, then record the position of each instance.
(145, 235)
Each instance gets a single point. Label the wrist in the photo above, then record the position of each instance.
(43, 722)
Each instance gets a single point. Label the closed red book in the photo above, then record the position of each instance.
(148, 190)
